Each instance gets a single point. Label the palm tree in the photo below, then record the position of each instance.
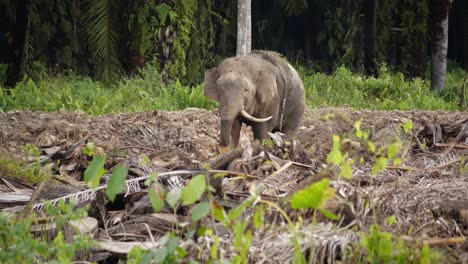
(103, 37)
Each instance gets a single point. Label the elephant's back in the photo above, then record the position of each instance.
(248, 65)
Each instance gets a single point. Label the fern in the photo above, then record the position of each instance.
(103, 37)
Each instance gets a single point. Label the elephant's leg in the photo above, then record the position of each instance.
(235, 132)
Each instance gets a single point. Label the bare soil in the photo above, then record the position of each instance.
(428, 193)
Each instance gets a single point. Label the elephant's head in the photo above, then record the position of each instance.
(236, 94)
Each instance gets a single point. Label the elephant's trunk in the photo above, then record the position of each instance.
(226, 127)
(228, 111)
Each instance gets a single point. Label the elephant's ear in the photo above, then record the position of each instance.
(211, 89)
(266, 87)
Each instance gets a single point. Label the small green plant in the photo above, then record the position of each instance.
(31, 174)
(384, 247)
(168, 252)
(20, 245)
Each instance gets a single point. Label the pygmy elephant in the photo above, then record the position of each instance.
(260, 89)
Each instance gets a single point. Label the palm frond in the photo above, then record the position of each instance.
(103, 37)
(294, 7)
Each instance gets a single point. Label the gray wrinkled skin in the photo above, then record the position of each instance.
(257, 83)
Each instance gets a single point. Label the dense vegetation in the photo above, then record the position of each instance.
(147, 91)
(107, 38)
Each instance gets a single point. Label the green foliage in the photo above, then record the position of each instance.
(341, 34)
(194, 189)
(168, 252)
(384, 247)
(116, 182)
(20, 245)
(103, 37)
(314, 196)
(141, 93)
(10, 167)
(336, 158)
(147, 92)
(406, 23)
(156, 194)
(180, 32)
(95, 171)
(387, 92)
(200, 211)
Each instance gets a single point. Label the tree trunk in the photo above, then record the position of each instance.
(244, 27)
(20, 42)
(439, 28)
(370, 37)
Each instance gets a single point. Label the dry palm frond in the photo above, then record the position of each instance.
(90, 194)
(277, 246)
(428, 207)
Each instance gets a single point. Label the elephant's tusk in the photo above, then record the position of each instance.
(255, 119)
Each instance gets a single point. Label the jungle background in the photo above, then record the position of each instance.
(111, 40)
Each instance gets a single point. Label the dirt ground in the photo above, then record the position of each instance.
(428, 192)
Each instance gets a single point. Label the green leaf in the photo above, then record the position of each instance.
(346, 170)
(89, 149)
(219, 213)
(380, 165)
(357, 124)
(397, 161)
(160, 255)
(194, 190)
(173, 197)
(236, 212)
(181, 252)
(116, 182)
(258, 217)
(393, 149)
(408, 126)
(313, 196)
(172, 244)
(95, 170)
(162, 10)
(371, 146)
(391, 220)
(329, 214)
(157, 197)
(334, 157)
(200, 211)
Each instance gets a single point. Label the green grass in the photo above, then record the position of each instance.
(68, 91)
(147, 92)
(12, 168)
(387, 92)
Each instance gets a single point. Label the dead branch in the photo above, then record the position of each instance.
(450, 241)
(445, 145)
(235, 173)
(65, 154)
(233, 154)
(140, 147)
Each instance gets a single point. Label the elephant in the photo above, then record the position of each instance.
(260, 89)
